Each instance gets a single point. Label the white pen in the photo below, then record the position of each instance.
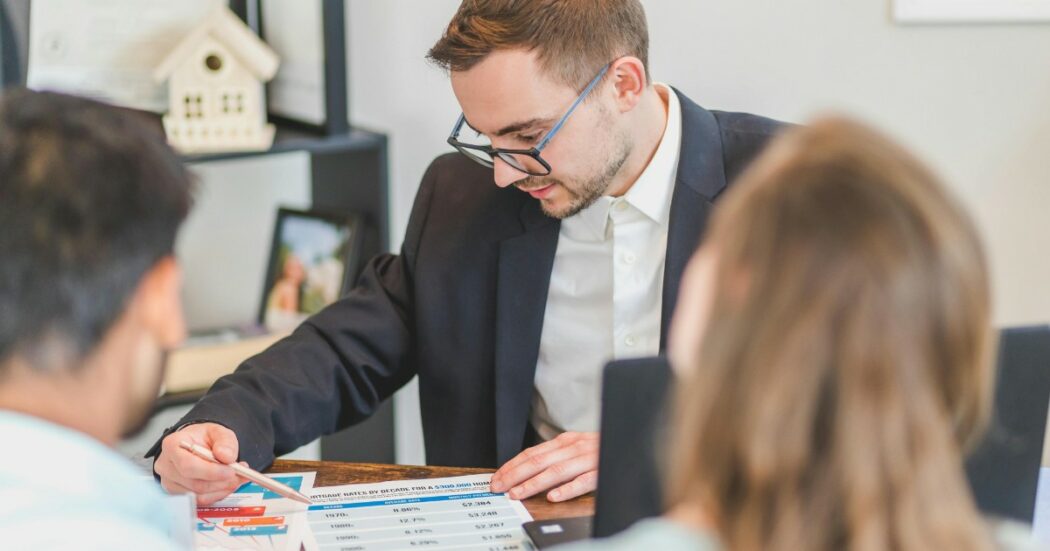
(250, 474)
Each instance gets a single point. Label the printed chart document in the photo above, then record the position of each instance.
(435, 513)
(256, 518)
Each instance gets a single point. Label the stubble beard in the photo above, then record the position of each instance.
(587, 191)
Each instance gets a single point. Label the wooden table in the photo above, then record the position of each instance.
(332, 473)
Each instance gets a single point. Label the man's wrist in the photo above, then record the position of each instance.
(154, 452)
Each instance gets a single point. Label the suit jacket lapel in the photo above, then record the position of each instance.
(701, 177)
(526, 260)
(525, 264)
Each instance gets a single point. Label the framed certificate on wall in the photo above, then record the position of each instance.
(310, 89)
(105, 49)
(971, 11)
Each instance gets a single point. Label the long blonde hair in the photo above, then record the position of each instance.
(846, 362)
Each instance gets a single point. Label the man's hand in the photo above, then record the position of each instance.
(180, 471)
(569, 462)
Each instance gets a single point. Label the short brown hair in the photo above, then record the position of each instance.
(847, 362)
(574, 39)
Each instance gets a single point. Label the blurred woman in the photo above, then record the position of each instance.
(833, 343)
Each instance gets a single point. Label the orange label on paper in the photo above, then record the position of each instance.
(221, 512)
(255, 521)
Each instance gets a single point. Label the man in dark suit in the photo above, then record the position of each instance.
(506, 299)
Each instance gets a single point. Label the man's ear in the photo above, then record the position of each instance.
(629, 81)
(161, 303)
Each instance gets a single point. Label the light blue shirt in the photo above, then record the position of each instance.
(61, 489)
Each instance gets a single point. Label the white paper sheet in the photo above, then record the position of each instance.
(182, 510)
(255, 518)
(108, 49)
(438, 513)
(1041, 522)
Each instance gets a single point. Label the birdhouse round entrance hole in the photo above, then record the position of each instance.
(213, 62)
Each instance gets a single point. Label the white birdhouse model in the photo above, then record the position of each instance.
(215, 88)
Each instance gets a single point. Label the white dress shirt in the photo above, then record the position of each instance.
(605, 295)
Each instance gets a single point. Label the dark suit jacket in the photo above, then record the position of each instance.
(462, 307)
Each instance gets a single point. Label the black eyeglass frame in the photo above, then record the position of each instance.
(507, 155)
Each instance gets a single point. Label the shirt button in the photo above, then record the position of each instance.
(629, 258)
(621, 206)
(630, 340)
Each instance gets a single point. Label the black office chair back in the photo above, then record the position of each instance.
(1003, 471)
(634, 395)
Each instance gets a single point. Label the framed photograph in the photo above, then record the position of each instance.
(310, 89)
(971, 11)
(314, 259)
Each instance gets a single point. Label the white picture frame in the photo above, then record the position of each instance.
(293, 28)
(310, 90)
(971, 11)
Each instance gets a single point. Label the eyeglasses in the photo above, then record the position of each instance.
(529, 160)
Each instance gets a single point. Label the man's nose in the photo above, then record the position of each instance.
(504, 174)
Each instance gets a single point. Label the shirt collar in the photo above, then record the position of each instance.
(651, 192)
(595, 218)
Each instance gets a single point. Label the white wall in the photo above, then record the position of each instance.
(393, 90)
(973, 100)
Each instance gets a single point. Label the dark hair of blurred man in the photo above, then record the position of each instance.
(91, 199)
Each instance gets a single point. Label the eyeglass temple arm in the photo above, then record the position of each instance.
(583, 95)
(459, 124)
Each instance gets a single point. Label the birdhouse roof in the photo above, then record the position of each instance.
(223, 25)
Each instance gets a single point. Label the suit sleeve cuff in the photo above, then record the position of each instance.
(154, 451)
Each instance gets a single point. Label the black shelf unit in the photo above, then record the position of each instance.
(291, 138)
(348, 173)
